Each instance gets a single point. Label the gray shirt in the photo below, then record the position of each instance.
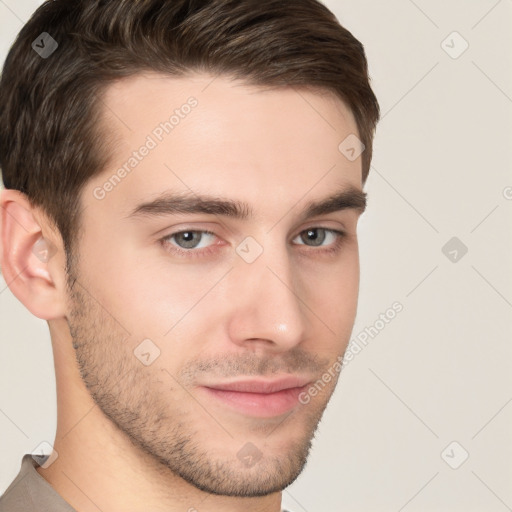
(30, 492)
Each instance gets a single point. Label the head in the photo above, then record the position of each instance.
(185, 162)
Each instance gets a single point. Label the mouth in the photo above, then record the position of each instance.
(259, 397)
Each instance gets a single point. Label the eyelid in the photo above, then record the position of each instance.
(313, 224)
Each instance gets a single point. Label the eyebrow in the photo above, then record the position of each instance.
(170, 203)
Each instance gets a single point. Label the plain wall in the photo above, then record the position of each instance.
(438, 372)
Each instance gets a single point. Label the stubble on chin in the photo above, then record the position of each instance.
(129, 396)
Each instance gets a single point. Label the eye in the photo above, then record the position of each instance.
(189, 239)
(318, 235)
(196, 243)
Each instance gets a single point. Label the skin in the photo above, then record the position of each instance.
(133, 437)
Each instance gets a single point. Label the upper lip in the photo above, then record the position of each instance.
(265, 386)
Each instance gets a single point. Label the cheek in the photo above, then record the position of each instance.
(339, 278)
(142, 290)
(334, 296)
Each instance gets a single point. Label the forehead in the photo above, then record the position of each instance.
(204, 133)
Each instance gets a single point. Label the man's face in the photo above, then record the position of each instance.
(198, 346)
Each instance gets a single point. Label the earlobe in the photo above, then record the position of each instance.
(29, 260)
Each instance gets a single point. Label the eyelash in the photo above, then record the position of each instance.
(335, 247)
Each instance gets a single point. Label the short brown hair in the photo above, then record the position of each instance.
(50, 140)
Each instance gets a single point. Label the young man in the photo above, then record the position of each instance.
(183, 181)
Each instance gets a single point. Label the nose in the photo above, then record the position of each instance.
(269, 312)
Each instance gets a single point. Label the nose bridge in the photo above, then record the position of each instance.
(267, 297)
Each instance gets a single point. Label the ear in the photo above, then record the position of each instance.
(31, 257)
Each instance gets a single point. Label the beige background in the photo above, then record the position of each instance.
(440, 371)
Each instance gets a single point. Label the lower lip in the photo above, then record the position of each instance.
(264, 405)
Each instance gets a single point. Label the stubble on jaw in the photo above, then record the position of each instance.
(133, 399)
